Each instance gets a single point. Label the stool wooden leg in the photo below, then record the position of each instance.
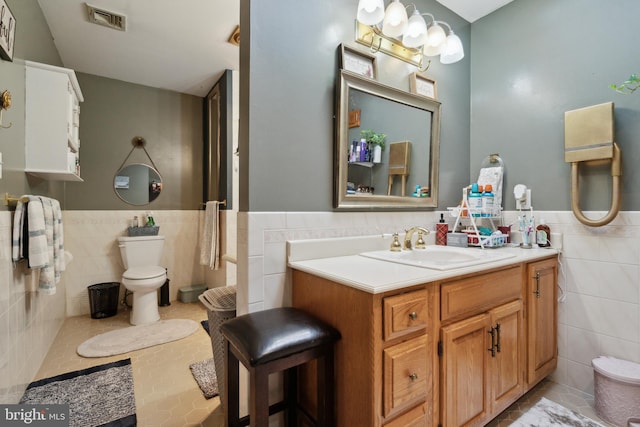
(259, 397)
(326, 398)
(291, 397)
(231, 388)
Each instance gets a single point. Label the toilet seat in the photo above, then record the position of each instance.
(141, 273)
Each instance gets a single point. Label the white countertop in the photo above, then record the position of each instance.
(375, 276)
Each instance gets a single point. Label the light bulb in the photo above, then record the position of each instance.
(395, 19)
(416, 32)
(370, 12)
(436, 35)
(453, 50)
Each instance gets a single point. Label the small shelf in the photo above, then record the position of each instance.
(53, 175)
(464, 212)
(364, 164)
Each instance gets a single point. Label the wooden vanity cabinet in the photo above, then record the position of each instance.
(542, 319)
(386, 360)
(482, 355)
(456, 352)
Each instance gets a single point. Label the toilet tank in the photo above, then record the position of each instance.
(141, 251)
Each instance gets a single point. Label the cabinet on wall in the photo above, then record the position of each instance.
(52, 122)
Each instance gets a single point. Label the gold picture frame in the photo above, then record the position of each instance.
(423, 86)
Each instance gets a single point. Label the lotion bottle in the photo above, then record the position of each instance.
(475, 201)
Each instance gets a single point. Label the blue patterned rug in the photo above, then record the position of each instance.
(97, 396)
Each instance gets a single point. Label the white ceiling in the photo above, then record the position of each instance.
(168, 44)
(472, 10)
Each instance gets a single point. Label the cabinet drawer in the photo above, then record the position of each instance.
(416, 417)
(479, 293)
(405, 313)
(407, 375)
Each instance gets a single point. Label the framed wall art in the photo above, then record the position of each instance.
(423, 86)
(7, 31)
(358, 62)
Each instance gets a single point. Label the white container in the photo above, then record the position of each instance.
(616, 390)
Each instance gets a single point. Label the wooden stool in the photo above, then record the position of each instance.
(271, 341)
(399, 159)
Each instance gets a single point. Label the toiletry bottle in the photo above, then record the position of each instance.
(475, 201)
(543, 235)
(487, 201)
(442, 228)
(150, 221)
(135, 223)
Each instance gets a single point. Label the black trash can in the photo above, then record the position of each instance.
(103, 299)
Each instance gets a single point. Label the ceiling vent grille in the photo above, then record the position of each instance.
(106, 18)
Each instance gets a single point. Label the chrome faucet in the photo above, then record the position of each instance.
(420, 243)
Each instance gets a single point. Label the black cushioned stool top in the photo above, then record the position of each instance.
(268, 335)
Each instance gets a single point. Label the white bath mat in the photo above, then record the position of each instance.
(136, 337)
(548, 414)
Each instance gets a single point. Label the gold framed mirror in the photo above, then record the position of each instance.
(405, 175)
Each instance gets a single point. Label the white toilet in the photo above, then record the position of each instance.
(143, 275)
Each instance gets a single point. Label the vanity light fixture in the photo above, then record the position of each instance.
(410, 39)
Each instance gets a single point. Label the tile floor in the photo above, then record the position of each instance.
(167, 395)
(165, 391)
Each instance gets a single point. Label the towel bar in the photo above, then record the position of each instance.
(10, 200)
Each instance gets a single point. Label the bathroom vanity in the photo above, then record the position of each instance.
(425, 347)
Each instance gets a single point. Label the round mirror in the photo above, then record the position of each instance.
(137, 184)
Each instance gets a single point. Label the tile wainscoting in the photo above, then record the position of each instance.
(29, 321)
(599, 274)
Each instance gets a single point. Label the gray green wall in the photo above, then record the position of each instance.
(287, 102)
(112, 114)
(32, 41)
(531, 62)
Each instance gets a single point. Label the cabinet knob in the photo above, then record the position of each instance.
(413, 376)
(413, 315)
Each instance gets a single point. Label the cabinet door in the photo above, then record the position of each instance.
(465, 359)
(542, 319)
(506, 363)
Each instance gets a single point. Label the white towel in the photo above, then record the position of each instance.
(43, 240)
(51, 272)
(209, 239)
(493, 176)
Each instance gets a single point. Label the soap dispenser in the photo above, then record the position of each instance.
(442, 228)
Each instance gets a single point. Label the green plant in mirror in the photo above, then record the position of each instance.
(373, 138)
(628, 86)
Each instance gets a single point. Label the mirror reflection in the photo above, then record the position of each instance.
(137, 184)
(387, 146)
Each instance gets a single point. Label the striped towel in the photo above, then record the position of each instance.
(38, 238)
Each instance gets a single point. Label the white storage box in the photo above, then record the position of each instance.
(616, 390)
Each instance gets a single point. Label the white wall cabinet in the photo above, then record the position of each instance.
(52, 122)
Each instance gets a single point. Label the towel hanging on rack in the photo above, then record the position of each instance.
(210, 239)
(38, 238)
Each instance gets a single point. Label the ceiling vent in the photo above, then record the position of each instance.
(106, 18)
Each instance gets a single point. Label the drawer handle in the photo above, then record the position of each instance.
(413, 315)
(413, 376)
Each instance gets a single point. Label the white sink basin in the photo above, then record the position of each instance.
(441, 257)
